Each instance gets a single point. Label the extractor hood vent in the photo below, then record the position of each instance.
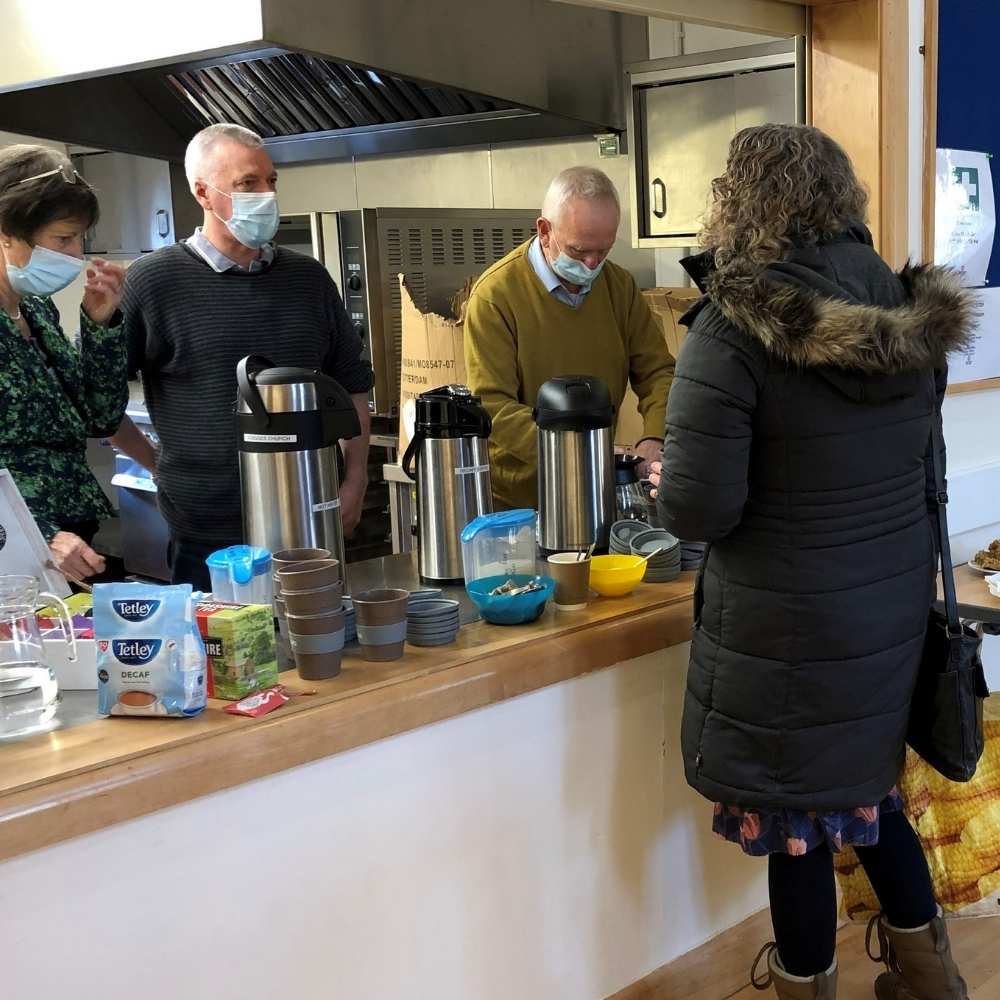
(319, 79)
(295, 94)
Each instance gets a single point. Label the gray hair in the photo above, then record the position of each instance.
(201, 147)
(578, 182)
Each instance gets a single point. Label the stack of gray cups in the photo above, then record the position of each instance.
(313, 593)
(281, 560)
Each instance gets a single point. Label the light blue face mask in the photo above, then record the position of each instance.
(46, 273)
(575, 271)
(255, 217)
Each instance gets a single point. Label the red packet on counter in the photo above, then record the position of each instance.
(259, 703)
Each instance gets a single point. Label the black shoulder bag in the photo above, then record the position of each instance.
(946, 714)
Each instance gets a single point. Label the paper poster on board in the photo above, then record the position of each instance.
(982, 359)
(965, 213)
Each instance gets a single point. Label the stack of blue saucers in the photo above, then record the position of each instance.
(666, 564)
(622, 533)
(432, 621)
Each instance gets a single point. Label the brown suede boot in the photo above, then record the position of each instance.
(821, 987)
(919, 962)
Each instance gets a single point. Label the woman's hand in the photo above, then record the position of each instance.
(655, 471)
(73, 556)
(102, 293)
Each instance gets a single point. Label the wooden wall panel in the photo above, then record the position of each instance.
(845, 88)
(894, 118)
(930, 122)
(860, 88)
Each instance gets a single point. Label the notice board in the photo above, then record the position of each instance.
(968, 84)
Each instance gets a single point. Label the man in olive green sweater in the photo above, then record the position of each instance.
(557, 306)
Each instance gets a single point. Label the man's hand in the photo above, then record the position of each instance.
(102, 293)
(650, 451)
(74, 557)
(655, 472)
(352, 498)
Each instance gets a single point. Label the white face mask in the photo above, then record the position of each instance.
(46, 273)
(255, 216)
(575, 271)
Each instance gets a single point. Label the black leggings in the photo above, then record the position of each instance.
(804, 897)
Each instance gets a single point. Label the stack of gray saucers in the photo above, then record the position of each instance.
(622, 533)
(666, 564)
(431, 621)
(692, 554)
(350, 621)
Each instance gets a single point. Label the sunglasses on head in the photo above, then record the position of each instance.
(68, 174)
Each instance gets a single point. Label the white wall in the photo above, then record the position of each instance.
(543, 847)
(669, 38)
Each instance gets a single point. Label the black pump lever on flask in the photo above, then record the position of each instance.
(248, 387)
(410, 454)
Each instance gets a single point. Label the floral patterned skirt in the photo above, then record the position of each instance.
(790, 831)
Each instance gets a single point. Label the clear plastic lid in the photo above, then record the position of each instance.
(501, 544)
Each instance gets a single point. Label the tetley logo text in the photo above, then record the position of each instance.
(135, 652)
(135, 611)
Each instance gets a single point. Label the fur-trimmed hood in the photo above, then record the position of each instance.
(806, 320)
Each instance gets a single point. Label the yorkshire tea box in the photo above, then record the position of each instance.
(239, 641)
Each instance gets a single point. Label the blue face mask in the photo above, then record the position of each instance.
(575, 271)
(46, 273)
(255, 217)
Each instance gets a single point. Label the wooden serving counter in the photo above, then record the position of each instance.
(975, 602)
(70, 782)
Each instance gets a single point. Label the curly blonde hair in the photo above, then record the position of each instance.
(784, 186)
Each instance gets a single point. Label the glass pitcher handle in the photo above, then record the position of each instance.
(65, 623)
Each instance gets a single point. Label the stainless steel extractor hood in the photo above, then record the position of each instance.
(319, 79)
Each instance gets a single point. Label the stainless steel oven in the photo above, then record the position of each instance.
(437, 249)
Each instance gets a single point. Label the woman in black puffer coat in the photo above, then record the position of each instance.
(797, 446)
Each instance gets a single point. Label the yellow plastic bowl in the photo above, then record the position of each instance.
(616, 576)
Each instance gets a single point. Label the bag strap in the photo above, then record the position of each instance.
(941, 518)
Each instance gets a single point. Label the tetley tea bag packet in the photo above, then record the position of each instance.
(150, 657)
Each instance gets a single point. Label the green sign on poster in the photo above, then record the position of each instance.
(968, 178)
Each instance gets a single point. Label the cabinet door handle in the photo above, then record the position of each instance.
(162, 223)
(659, 198)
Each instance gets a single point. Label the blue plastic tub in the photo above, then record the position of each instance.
(504, 610)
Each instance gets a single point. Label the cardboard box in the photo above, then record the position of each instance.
(239, 641)
(668, 305)
(433, 354)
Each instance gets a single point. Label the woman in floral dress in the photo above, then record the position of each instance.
(54, 394)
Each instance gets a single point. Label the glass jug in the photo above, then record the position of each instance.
(630, 501)
(29, 691)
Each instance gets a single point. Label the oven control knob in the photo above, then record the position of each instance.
(359, 329)
(354, 282)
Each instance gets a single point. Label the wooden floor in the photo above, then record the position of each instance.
(974, 943)
(718, 970)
